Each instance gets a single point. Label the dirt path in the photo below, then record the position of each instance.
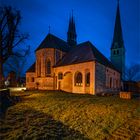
(130, 130)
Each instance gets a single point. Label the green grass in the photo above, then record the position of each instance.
(58, 115)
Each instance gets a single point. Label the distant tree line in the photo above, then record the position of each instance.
(132, 73)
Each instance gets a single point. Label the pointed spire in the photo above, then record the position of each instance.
(72, 15)
(71, 34)
(118, 37)
(117, 48)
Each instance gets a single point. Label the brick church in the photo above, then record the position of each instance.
(77, 68)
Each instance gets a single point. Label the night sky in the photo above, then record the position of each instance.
(94, 19)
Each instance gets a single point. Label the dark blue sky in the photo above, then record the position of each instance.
(94, 22)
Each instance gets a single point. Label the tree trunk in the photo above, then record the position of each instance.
(1, 63)
(1, 75)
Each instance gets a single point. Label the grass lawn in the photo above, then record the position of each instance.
(58, 115)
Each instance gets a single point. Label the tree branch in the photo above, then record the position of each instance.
(20, 40)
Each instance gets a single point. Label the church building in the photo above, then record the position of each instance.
(77, 68)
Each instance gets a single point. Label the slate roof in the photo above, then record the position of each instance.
(52, 41)
(32, 68)
(84, 52)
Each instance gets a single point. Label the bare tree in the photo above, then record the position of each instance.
(15, 64)
(10, 36)
(133, 73)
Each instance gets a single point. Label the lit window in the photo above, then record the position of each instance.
(88, 79)
(78, 79)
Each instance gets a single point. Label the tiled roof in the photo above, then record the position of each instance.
(52, 41)
(32, 68)
(84, 52)
(78, 54)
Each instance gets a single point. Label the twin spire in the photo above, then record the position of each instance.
(71, 34)
(117, 38)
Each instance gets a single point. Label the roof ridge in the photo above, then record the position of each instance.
(57, 37)
(83, 43)
(104, 57)
(52, 41)
(98, 55)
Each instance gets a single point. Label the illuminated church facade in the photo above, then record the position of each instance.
(77, 68)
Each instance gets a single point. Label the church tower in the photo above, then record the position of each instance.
(117, 47)
(71, 34)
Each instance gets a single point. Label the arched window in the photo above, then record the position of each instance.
(78, 79)
(88, 79)
(60, 75)
(48, 67)
(38, 67)
(117, 83)
(110, 82)
(114, 83)
(107, 80)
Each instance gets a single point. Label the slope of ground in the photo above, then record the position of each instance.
(58, 115)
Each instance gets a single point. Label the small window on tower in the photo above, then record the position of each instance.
(117, 51)
(114, 52)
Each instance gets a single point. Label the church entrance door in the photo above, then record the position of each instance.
(67, 82)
